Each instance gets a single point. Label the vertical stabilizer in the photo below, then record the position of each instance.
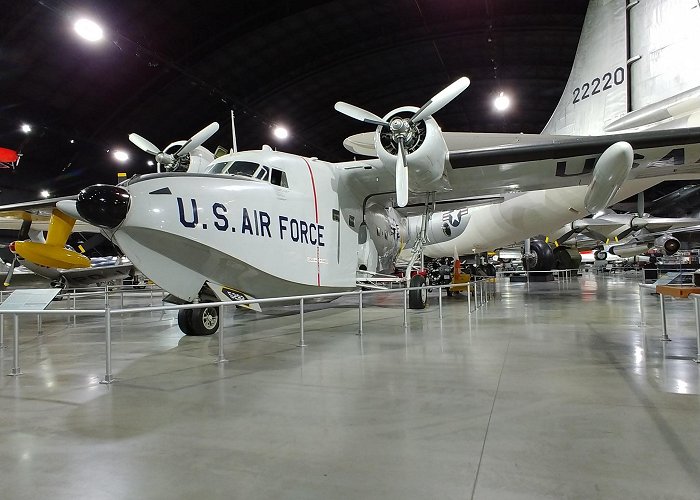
(635, 66)
(596, 92)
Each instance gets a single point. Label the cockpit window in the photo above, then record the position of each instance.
(263, 173)
(216, 168)
(250, 169)
(245, 168)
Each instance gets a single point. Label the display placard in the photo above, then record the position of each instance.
(29, 300)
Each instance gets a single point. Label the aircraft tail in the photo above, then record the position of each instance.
(634, 67)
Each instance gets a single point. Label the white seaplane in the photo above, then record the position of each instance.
(263, 223)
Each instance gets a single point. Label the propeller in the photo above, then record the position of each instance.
(403, 129)
(168, 159)
(10, 272)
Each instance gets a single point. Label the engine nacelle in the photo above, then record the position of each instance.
(629, 249)
(667, 244)
(441, 228)
(425, 147)
(380, 237)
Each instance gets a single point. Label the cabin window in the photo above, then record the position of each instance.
(278, 178)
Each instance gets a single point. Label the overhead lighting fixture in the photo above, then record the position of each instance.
(120, 156)
(26, 128)
(44, 193)
(501, 102)
(150, 163)
(281, 132)
(89, 30)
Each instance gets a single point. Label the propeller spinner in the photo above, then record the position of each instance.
(403, 130)
(167, 159)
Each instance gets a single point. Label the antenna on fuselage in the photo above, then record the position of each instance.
(233, 132)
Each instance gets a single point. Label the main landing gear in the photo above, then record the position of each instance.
(198, 322)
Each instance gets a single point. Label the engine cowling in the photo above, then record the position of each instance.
(425, 151)
(441, 228)
(667, 244)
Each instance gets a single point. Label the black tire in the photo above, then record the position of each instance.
(544, 257)
(489, 270)
(417, 299)
(600, 255)
(566, 258)
(204, 321)
(184, 320)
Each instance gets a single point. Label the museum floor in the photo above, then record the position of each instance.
(553, 393)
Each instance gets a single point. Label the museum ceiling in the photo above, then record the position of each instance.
(166, 69)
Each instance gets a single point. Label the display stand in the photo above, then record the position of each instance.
(25, 300)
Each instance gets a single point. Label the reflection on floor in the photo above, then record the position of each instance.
(553, 393)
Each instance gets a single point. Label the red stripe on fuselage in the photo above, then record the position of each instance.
(318, 260)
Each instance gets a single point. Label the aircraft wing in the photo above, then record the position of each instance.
(39, 212)
(564, 161)
(496, 164)
(661, 224)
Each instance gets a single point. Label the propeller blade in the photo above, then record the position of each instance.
(596, 235)
(143, 144)
(441, 99)
(362, 234)
(197, 139)
(358, 113)
(24, 230)
(624, 234)
(564, 237)
(640, 204)
(10, 272)
(401, 176)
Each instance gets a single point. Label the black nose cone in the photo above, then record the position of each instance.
(103, 205)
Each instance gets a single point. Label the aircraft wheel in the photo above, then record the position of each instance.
(600, 255)
(417, 299)
(184, 319)
(566, 258)
(204, 321)
(544, 260)
(488, 269)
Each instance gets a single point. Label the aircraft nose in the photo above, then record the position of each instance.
(103, 205)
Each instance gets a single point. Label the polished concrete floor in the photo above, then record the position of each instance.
(555, 392)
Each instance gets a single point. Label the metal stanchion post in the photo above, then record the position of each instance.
(481, 292)
(641, 305)
(38, 324)
(122, 296)
(15, 365)
(697, 327)
(359, 311)
(2, 331)
(440, 301)
(301, 323)
(469, 297)
(221, 358)
(405, 308)
(108, 347)
(664, 336)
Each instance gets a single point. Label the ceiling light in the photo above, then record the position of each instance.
(89, 30)
(501, 102)
(281, 132)
(72, 141)
(120, 156)
(149, 163)
(26, 128)
(44, 193)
